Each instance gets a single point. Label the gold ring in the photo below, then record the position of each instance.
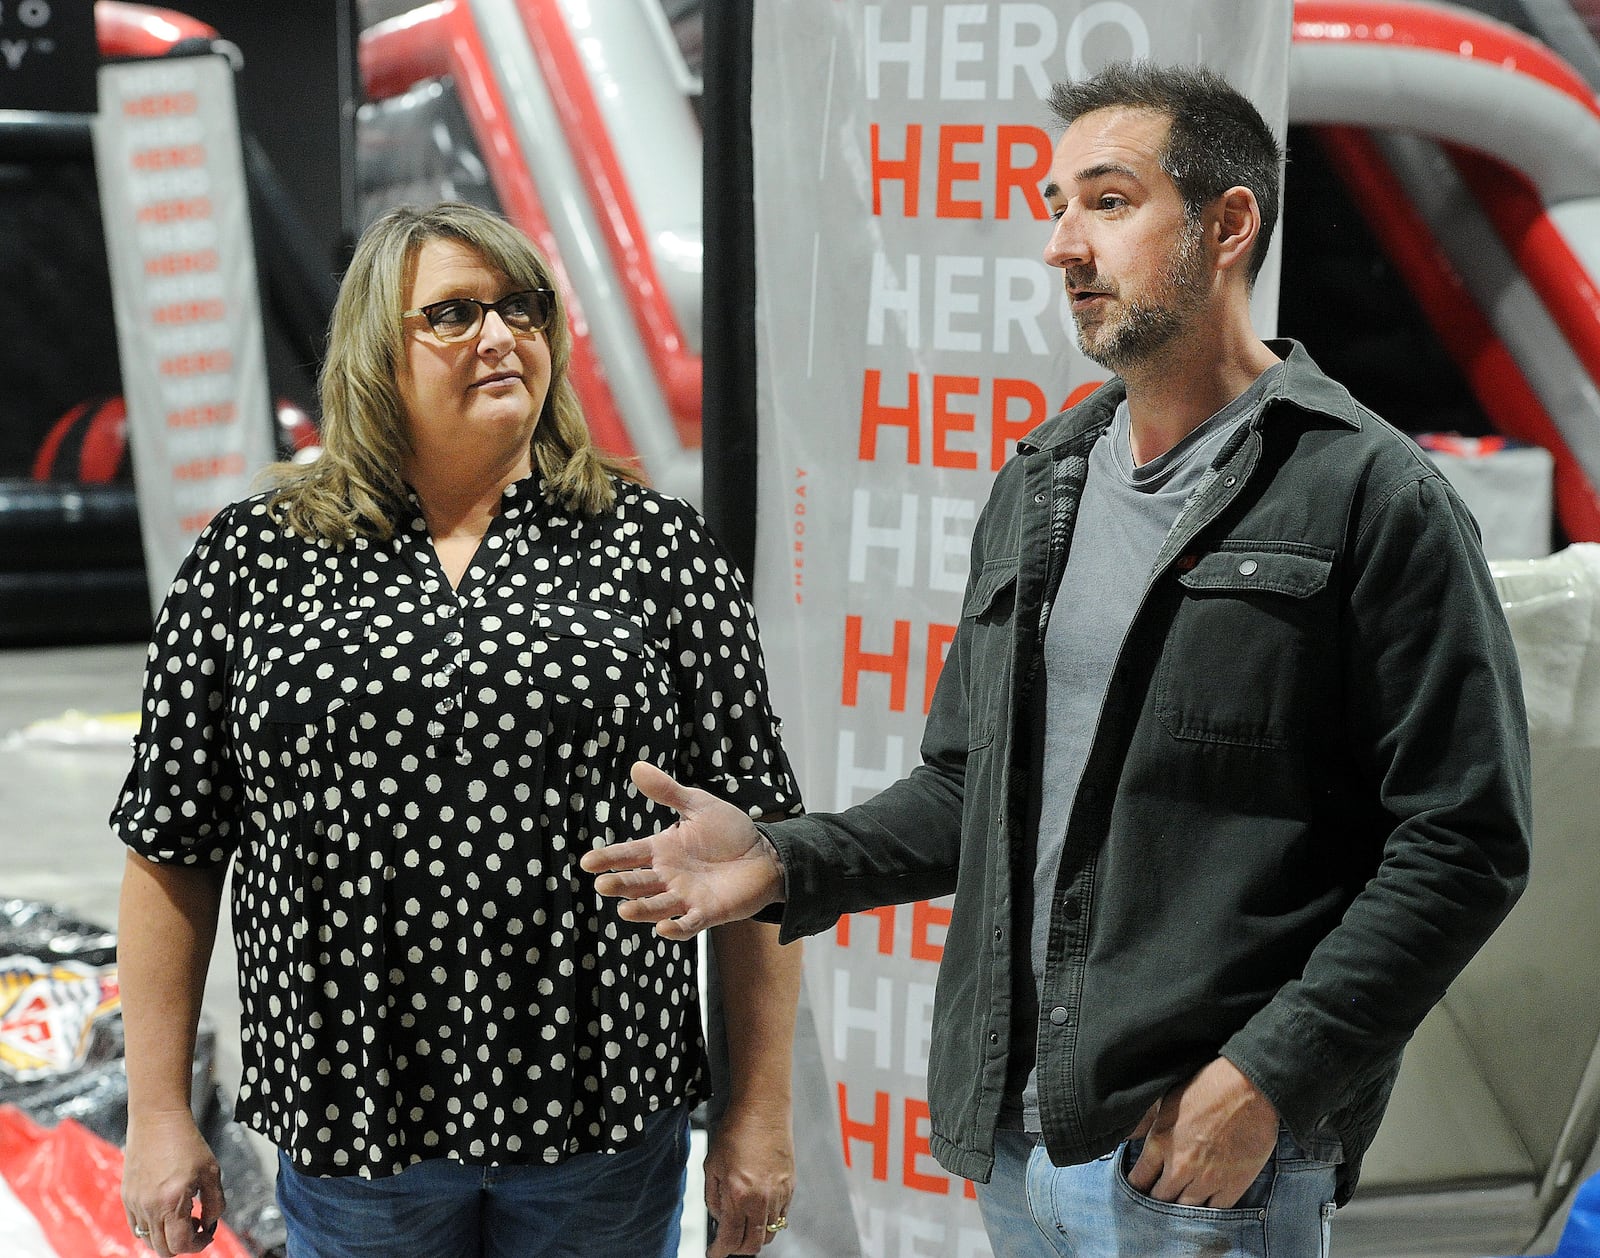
(778, 1224)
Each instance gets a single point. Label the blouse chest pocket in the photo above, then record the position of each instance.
(597, 655)
(312, 669)
(1252, 634)
(987, 618)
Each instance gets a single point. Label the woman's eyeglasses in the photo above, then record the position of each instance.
(460, 318)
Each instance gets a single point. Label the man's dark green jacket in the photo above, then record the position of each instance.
(1305, 807)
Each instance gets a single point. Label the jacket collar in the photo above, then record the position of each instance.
(1301, 386)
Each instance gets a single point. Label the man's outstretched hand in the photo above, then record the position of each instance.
(711, 866)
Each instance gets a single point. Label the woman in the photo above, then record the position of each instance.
(399, 694)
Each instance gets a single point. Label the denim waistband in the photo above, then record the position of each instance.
(1323, 1147)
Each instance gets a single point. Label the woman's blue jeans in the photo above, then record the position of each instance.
(595, 1203)
(1032, 1209)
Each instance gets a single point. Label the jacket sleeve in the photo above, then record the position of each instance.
(1434, 721)
(903, 844)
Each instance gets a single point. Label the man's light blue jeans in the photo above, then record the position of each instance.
(1032, 1209)
(595, 1203)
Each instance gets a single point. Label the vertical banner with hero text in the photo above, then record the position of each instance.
(183, 278)
(909, 333)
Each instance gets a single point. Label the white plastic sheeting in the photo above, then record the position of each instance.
(1553, 605)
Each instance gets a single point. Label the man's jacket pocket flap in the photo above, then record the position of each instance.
(995, 580)
(1276, 572)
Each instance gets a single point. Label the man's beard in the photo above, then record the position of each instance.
(1147, 325)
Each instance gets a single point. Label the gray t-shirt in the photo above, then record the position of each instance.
(1123, 519)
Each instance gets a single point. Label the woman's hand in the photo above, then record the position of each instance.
(749, 1172)
(168, 1169)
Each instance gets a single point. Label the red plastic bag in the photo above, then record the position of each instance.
(71, 1181)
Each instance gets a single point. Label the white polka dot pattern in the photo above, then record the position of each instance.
(404, 776)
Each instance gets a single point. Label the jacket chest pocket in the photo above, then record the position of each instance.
(988, 619)
(1251, 633)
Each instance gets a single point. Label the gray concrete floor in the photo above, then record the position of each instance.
(55, 799)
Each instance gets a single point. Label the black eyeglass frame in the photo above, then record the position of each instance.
(544, 303)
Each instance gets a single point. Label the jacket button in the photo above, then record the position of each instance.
(998, 934)
(1248, 567)
(994, 1037)
(1059, 1016)
(1071, 908)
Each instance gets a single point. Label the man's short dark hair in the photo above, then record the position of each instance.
(1218, 139)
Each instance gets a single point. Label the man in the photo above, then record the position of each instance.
(1227, 766)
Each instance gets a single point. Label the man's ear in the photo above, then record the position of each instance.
(1236, 220)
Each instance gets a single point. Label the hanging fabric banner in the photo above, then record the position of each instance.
(183, 278)
(909, 333)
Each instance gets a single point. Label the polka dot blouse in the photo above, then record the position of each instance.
(403, 777)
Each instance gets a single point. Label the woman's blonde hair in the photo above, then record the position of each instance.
(355, 487)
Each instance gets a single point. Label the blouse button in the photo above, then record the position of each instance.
(446, 704)
(453, 638)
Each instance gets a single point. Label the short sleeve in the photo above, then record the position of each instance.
(179, 800)
(731, 742)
